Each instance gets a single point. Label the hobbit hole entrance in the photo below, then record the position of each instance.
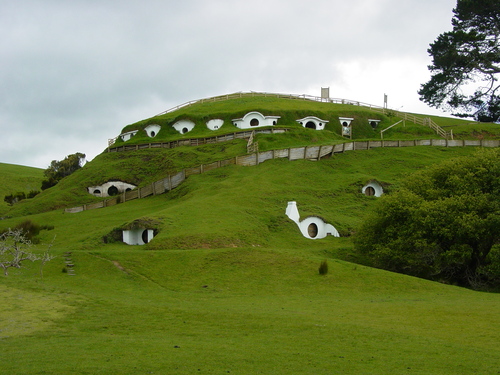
(311, 125)
(184, 130)
(370, 191)
(145, 237)
(254, 122)
(312, 230)
(113, 190)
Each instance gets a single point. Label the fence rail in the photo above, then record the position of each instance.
(238, 95)
(308, 153)
(197, 141)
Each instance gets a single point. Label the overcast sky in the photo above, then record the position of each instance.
(74, 73)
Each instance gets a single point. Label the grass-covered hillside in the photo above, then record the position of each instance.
(18, 178)
(228, 284)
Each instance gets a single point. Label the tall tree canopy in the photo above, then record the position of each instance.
(59, 169)
(466, 63)
(442, 224)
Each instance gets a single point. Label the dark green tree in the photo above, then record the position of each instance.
(466, 63)
(59, 169)
(442, 224)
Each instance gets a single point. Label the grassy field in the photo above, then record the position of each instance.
(17, 178)
(229, 285)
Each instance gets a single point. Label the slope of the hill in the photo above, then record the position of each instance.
(228, 284)
(144, 166)
(18, 178)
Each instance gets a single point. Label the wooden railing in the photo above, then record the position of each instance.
(309, 153)
(271, 95)
(197, 141)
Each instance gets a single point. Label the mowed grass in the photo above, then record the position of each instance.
(230, 286)
(249, 311)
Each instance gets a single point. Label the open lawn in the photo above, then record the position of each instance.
(230, 286)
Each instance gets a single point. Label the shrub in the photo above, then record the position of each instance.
(323, 268)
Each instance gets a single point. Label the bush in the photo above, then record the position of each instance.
(323, 268)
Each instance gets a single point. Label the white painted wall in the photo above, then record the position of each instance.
(135, 236)
(379, 190)
(316, 122)
(126, 136)
(102, 190)
(183, 126)
(215, 124)
(255, 120)
(323, 229)
(152, 130)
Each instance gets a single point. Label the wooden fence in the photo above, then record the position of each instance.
(195, 141)
(269, 95)
(308, 153)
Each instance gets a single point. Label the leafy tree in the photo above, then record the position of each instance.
(466, 63)
(15, 249)
(442, 224)
(62, 168)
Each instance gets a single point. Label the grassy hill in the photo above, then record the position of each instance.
(18, 178)
(228, 284)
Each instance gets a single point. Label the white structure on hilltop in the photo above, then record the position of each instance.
(311, 227)
(215, 124)
(152, 130)
(312, 122)
(255, 119)
(183, 126)
(126, 136)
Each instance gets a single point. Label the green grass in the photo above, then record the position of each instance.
(229, 285)
(290, 110)
(18, 178)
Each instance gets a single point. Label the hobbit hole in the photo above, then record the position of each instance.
(253, 119)
(215, 124)
(311, 227)
(112, 190)
(138, 236)
(373, 189)
(370, 191)
(312, 122)
(152, 130)
(373, 123)
(312, 230)
(183, 126)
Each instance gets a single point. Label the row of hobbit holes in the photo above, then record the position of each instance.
(251, 119)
